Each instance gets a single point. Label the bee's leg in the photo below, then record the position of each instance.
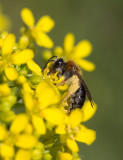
(61, 83)
(72, 89)
(68, 94)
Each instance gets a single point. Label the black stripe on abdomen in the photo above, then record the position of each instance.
(78, 98)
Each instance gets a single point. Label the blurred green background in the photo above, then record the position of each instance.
(99, 21)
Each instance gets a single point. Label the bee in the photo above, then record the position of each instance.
(72, 76)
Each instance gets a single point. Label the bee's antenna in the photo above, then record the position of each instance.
(52, 58)
(48, 62)
(46, 65)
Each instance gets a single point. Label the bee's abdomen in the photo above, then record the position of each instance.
(78, 98)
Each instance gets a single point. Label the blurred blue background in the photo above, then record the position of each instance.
(101, 22)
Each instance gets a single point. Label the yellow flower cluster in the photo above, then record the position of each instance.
(76, 53)
(33, 122)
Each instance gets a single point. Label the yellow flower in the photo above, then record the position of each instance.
(48, 98)
(16, 136)
(47, 94)
(38, 31)
(73, 130)
(9, 57)
(76, 53)
(43, 103)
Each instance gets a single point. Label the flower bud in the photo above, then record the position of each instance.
(47, 54)
(23, 42)
(35, 79)
(47, 156)
(7, 116)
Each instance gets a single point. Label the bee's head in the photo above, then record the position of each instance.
(57, 66)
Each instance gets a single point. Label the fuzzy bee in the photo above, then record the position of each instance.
(72, 76)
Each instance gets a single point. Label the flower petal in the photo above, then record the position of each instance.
(6, 151)
(26, 141)
(8, 44)
(23, 42)
(19, 123)
(47, 94)
(86, 65)
(72, 145)
(83, 49)
(75, 118)
(86, 135)
(39, 124)
(54, 115)
(27, 17)
(43, 40)
(64, 156)
(27, 88)
(11, 73)
(28, 101)
(21, 79)
(68, 42)
(34, 67)
(4, 90)
(23, 155)
(63, 88)
(60, 129)
(29, 128)
(88, 110)
(1, 42)
(45, 24)
(22, 57)
(3, 132)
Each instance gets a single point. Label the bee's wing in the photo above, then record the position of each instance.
(86, 88)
